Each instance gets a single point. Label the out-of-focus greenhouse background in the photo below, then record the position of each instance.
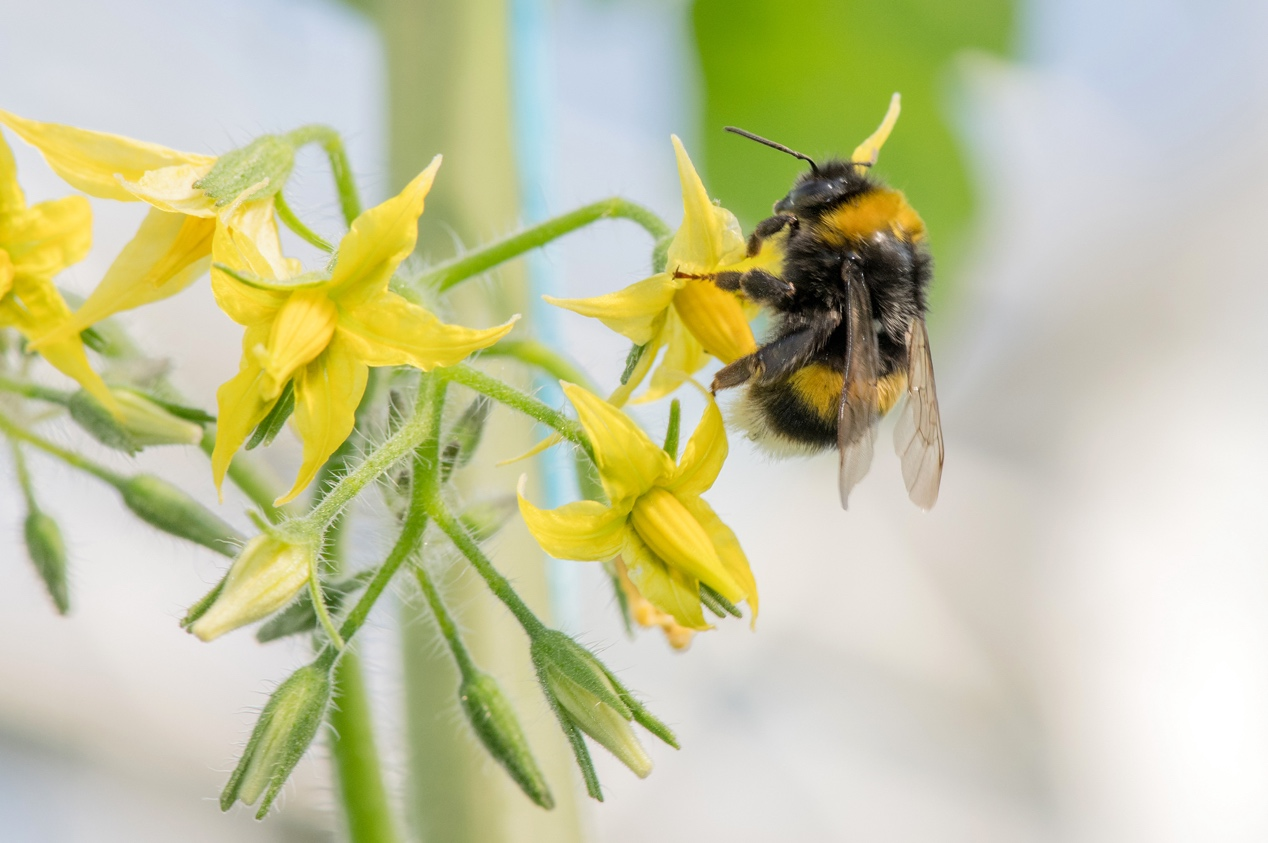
(1073, 646)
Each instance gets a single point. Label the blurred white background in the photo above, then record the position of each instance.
(1073, 646)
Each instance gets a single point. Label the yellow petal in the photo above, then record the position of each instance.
(390, 331)
(674, 535)
(727, 546)
(869, 150)
(167, 254)
(256, 221)
(585, 530)
(6, 273)
(715, 318)
(666, 588)
(633, 312)
(172, 189)
(709, 236)
(48, 237)
(301, 330)
(243, 304)
(241, 406)
(684, 356)
(703, 457)
(36, 308)
(327, 392)
(629, 463)
(90, 161)
(11, 199)
(378, 241)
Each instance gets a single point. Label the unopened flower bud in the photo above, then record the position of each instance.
(158, 502)
(255, 171)
(48, 552)
(267, 575)
(282, 735)
(140, 422)
(582, 692)
(495, 723)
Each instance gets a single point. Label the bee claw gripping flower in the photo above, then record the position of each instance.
(669, 539)
(187, 193)
(36, 243)
(690, 316)
(324, 332)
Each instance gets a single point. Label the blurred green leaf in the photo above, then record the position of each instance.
(817, 75)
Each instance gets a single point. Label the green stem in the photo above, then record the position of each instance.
(538, 354)
(34, 390)
(319, 604)
(295, 224)
(251, 480)
(526, 404)
(24, 477)
(444, 620)
(498, 584)
(332, 143)
(485, 258)
(356, 758)
(13, 431)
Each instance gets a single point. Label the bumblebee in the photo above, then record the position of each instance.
(845, 275)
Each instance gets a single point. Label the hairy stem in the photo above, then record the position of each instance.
(517, 400)
(538, 354)
(295, 224)
(485, 258)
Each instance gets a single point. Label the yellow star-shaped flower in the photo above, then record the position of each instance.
(36, 243)
(322, 332)
(669, 539)
(690, 317)
(173, 246)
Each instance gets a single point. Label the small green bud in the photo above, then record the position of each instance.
(465, 436)
(267, 575)
(48, 552)
(495, 723)
(483, 519)
(282, 735)
(157, 502)
(582, 692)
(255, 171)
(300, 616)
(141, 422)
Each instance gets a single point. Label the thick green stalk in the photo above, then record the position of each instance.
(481, 260)
(358, 770)
(340, 168)
(34, 390)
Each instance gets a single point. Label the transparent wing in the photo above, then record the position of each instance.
(856, 419)
(918, 435)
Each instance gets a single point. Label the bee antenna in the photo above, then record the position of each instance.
(794, 153)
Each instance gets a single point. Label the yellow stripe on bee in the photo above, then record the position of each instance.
(877, 211)
(819, 387)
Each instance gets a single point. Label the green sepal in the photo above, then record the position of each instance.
(718, 604)
(671, 432)
(552, 650)
(493, 719)
(464, 436)
(157, 502)
(264, 164)
(268, 429)
(631, 362)
(99, 423)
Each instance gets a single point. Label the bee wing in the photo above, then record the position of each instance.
(918, 434)
(856, 417)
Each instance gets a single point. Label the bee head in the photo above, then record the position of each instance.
(828, 185)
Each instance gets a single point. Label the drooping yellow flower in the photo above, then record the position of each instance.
(691, 317)
(322, 332)
(669, 539)
(173, 246)
(36, 243)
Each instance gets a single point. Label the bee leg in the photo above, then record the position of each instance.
(757, 285)
(775, 360)
(768, 228)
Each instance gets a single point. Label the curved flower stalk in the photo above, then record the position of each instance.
(174, 244)
(690, 317)
(36, 243)
(322, 332)
(669, 539)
